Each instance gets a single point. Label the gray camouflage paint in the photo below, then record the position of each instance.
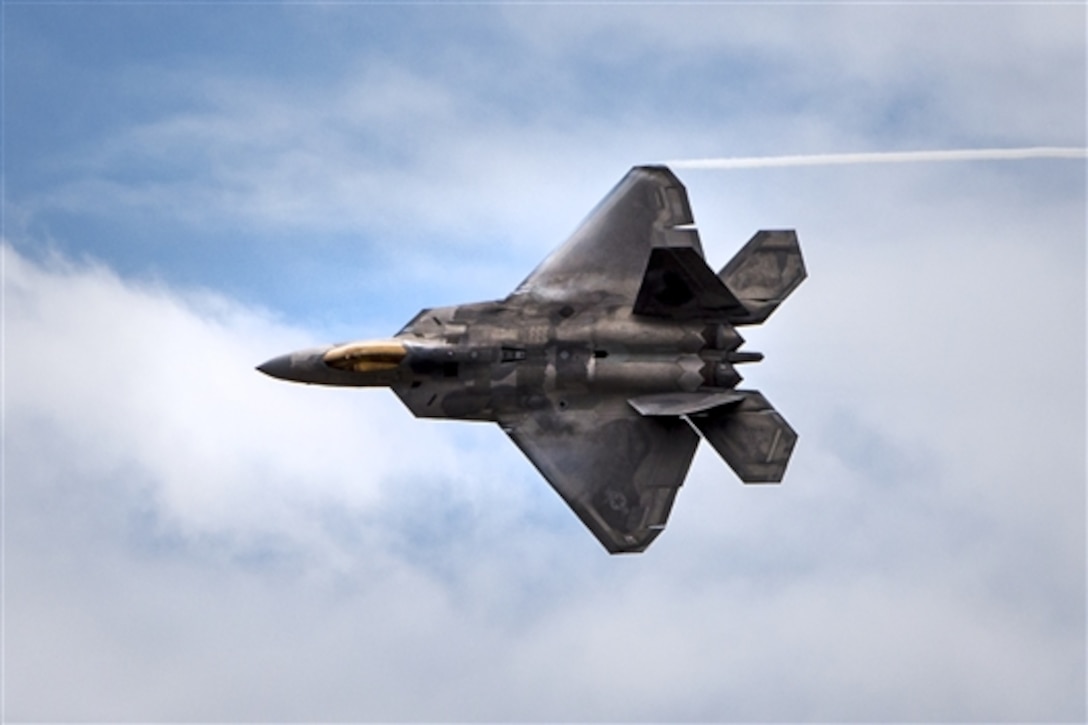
(603, 364)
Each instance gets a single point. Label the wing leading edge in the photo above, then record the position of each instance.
(604, 260)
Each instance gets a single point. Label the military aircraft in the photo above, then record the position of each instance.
(606, 364)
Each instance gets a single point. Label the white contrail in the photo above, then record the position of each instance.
(886, 157)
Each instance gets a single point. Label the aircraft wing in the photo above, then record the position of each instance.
(618, 470)
(605, 259)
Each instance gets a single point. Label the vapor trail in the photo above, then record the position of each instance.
(886, 157)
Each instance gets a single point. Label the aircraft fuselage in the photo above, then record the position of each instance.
(488, 361)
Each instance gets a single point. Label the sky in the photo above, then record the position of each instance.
(193, 188)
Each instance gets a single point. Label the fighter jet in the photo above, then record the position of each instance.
(606, 365)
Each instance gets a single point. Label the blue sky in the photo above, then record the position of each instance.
(190, 189)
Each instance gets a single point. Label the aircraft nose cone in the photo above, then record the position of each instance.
(301, 366)
(279, 367)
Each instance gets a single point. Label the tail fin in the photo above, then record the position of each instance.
(752, 437)
(678, 285)
(763, 273)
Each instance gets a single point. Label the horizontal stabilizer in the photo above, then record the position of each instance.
(752, 437)
(763, 273)
(679, 286)
(683, 403)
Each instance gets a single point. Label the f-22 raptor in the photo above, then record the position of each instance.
(606, 364)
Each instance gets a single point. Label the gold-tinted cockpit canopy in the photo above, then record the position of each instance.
(366, 356)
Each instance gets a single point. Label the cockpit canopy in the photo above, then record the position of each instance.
(366, 356)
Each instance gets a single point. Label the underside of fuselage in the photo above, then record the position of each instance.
(494, 361)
